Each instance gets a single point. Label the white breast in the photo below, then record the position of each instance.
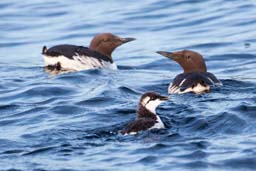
(158, 125)
(78, 63)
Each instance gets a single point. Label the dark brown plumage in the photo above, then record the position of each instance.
(190, 61)
(146, 118)
(73, 57)
(106, 43)
(195, 77)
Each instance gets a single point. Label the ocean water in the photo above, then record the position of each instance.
(70, 122)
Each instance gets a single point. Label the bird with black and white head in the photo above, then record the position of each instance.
(147, 117)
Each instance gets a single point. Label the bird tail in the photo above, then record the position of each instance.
(44, 50)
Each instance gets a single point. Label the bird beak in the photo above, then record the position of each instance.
(164, 98)
(126, 40)
(171, 55)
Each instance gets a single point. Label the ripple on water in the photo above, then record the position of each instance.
(71, 121)
(68, 109)
(246, 109)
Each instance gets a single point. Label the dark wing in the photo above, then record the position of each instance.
(178, 79)
(141, 124)
(187, 80)
(213, 78)
(193, 79)
(70, 51)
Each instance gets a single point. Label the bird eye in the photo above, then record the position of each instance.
(188, 57)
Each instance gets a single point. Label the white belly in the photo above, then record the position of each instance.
(78, 63)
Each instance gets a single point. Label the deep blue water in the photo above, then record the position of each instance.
(70, 121)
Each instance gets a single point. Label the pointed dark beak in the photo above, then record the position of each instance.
(167, 54)
(126, 40)
(164, 98)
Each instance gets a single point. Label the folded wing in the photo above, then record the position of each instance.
(197, 82)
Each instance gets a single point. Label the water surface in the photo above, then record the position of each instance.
(71, 121)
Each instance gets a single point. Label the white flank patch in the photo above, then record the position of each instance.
(131, 133)
(182, 82)
(216, 84)
(78, 63)
(198, 89)
(172, 89)
(211, 80)
(177, 90)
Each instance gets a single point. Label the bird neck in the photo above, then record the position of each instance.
(143, 112)
(189, 69)
(106, 51)
(196, 65)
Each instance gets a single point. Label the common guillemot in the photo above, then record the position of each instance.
(76, 58)
(195, 77)
(147, 118)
